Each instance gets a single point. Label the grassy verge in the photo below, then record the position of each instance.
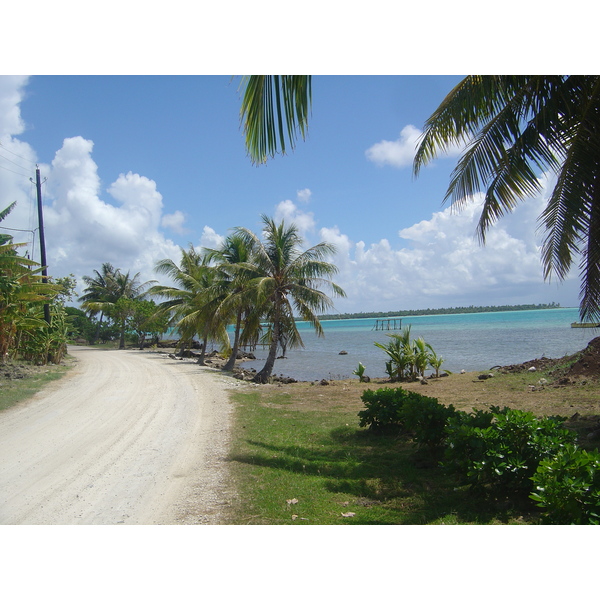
(299, 457)
(19, 381)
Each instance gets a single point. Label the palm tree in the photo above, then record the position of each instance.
(286, 280)
(98, 290)
(103, 294)
(231, 288)
(401, 354)
(515, 127)
(268, 101)
(191, 305)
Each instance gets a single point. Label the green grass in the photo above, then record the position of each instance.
(327, 466)
(13, 391)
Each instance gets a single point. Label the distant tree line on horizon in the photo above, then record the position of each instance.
(439, 311)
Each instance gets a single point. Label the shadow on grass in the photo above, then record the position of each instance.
(386, 474)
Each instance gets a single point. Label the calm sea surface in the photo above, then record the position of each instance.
(473, 342)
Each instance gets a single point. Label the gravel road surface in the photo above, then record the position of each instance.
(126, 437)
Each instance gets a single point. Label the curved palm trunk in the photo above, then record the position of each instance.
(236, 344)
(202, 356)
(263, 375)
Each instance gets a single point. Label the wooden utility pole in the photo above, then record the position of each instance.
(38, 185)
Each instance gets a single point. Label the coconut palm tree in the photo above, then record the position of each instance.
(192, 304)
(231, 288)
(103, 294)
(285, 282)
(515, 127)
(99, 289)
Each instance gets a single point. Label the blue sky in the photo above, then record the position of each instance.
(138, 166)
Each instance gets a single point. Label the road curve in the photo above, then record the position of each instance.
(126, 437)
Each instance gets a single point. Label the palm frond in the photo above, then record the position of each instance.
(275, 108)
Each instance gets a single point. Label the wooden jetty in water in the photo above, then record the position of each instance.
(389, 324)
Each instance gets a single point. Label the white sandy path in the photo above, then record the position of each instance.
(126, 437)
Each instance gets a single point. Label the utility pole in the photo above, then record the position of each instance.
(38, 185)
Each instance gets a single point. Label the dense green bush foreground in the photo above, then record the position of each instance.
(505, 452)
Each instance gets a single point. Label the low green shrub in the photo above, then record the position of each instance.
(567, 487)
(506, 453)
(396, 408)
(427, 419)
(382, 408)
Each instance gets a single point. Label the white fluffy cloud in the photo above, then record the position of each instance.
(11, 94)
(289, 212)
(210, 238)
(82, 229)
(439, 262)
(401, 152)
(174, 222)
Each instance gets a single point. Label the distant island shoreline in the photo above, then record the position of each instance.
(439, 311)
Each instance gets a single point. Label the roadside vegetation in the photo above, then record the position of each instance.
(463, 451)
(20, 380)
(256, 284)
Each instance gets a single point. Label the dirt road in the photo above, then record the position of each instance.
(126, 437)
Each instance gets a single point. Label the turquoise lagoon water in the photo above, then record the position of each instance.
(473, 342)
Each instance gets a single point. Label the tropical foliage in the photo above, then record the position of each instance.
(409, 359)
(285, 281)
(268, 101)
(24, 333)
(515, 127)
(108, 293)
(260, 286)
(191, 306)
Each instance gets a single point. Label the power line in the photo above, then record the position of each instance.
(11, 171)
(14, 163)
(17, 155)
(13, 229)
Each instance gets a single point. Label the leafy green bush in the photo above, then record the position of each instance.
(426, 418)
(568, 487)
(382, 408)
(395, 408)
(506, 453)
(45, 343)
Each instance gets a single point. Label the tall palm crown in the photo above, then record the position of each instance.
(191, 304)
(285, 281)
(515, 127)
(232, 293)
(105, 290)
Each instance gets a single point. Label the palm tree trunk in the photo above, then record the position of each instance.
(122, 336)
(97, 334)
(202, 356)
(236, 344)
(263, 375)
